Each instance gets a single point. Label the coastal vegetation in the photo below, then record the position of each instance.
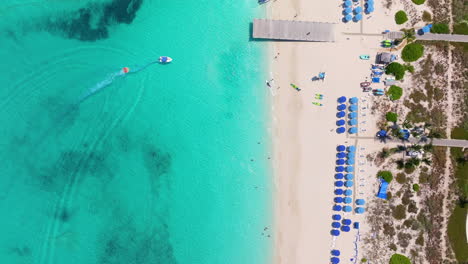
(426, 16)
(396, 69)
(401, 17)
(412, 52)
(416, 187)
(392, 117)
(457, 234)
(399, 259)
(394, 92)
(440, 28)
(418, 2)
(386, 175)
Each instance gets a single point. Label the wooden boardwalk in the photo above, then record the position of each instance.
(430, 36)
(293, 30)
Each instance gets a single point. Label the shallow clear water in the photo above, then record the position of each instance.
(164, 165)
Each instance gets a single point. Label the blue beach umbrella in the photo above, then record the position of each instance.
(335, 260)
(349, 169)
(346, 222)
(350, 162)
(339, 169)
(357, 17)
(348, 18)
(353, 130)
(336, 217)
(360, 201)
(358, 10)
(340, 114)
(339, 192)
(353, 100)
(335, 232)
(337, 208)
(336, 225)
(340, 162)
(339, 184)
(340, 122)
(341, 155)
(370, 2)
(339, 176)
(348, 192)
(335, 252)
(347, 208)
(349, 176)
(341, 99)
(345, 228)
(353, 108)
(352, 115)
(351, 148)
(347, 3)
(347, 200)
(351, 155)
(338, 199)
(352, 122)
(360, 210)
(340, 148)
(346, 11)
(349, 184)
(340, 130)
(341, 107)
(369, 9)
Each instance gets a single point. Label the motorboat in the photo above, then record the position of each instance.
(365, 84)
(263, 1)
(165, 59)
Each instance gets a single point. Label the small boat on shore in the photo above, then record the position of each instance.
(365, 84)
(165, 59)
(261, 2)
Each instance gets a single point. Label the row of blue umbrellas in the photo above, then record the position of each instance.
(341, 148)
(342, 114)
(343, 192)
(347, 184)
(349, 161)
(346, 208)
(344, 228)
(342, 168)
(346, 200)
(342, 107)
(348, 176)
(342, 155)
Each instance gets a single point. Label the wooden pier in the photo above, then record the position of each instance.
(293, 30)
(430, 36)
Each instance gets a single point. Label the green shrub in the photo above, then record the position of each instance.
(392, 117)
(396, 69)
(399, 259)
(412, 52)
(426, 16)
(440, 28)
(460, 28)
(394, 92)
(399, 212)
(386, 175)
(409, 68)
(416, 187)
(400, 17)
(363, 260)
(419, 2)
(401, 178)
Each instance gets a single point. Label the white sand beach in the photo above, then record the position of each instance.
(304, 134)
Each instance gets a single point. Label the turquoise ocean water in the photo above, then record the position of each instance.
(167, 164)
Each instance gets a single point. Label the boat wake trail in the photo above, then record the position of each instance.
(109, 80)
